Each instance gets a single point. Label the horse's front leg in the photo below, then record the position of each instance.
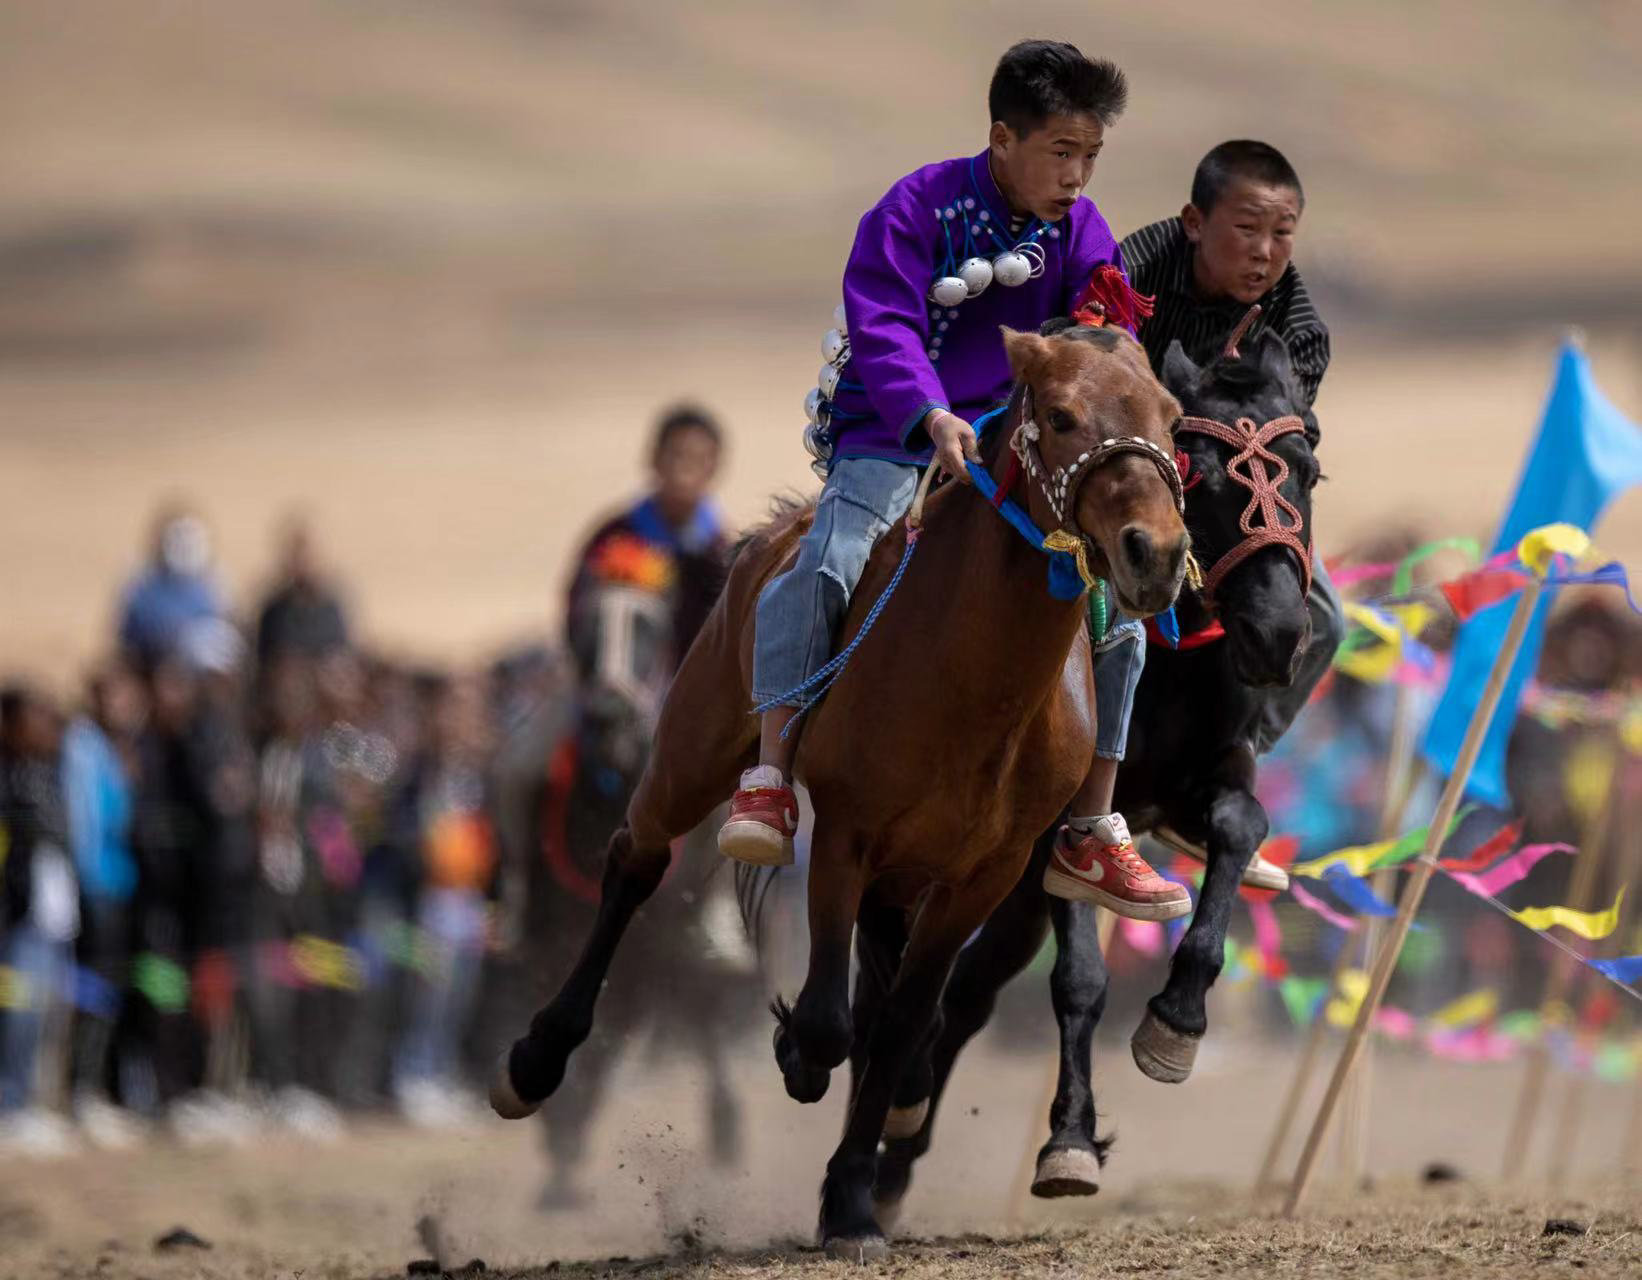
(1166, 1042)
(534, 1067)
(1006, 944)
(1070, 1162)
(947, 917)
(813, 1035)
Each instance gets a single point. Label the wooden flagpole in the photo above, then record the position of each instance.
(1552, 1007)
(1402, 772)
(1399, 787)
(1447, 806)
(1570, 1114)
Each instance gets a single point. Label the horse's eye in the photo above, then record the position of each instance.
(1060, 421)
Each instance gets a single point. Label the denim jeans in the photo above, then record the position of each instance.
(40, 966)
(1327, 630)
(800, 611)
(1119, 659)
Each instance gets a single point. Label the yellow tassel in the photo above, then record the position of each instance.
(1194, 572)
(1060, 540)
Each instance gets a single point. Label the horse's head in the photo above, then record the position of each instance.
(622, 643)
(1094, 439)
(1249, 471)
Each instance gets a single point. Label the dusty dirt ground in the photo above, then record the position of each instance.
(1175, 1200)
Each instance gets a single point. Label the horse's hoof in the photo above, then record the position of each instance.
(859, 1248)
(1162, 1052)
(905, 1122)
(504, 1098)
(888, 1212)
(806, 1084)
(1066, 1171)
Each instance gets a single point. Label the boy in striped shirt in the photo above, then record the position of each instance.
(1230, 248)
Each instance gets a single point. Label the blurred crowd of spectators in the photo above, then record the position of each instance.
(245, 857)
(251, 875)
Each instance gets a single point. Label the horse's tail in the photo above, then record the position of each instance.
(752, 895)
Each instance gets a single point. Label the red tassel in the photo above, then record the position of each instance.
(1011, 473)
(1112, 299)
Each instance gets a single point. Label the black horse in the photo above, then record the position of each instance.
(575, 764)
(1190, 765)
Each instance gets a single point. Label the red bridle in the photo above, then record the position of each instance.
(1249, 467)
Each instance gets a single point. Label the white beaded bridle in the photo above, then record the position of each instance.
(1060, 485)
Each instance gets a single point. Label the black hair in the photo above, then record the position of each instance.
(1036, 79)
(684, 417)
(1246, 159)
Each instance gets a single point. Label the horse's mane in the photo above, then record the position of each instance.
(783, 508)
(1237, 374)
(1102, 336)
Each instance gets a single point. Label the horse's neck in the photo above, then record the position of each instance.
(1004, 631)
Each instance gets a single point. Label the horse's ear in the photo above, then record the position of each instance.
(1178, 370)
(1027, 352)
(1274, 358)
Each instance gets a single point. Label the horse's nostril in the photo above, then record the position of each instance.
(1137, 548)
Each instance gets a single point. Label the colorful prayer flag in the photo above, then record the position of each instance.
(1626, 969)
(1468, 1010)
(1507, 873)
(1318, 907)
(1357, 893)
(1497, 845)
(1590, 925)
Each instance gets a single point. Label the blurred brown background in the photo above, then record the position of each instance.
(427, 270)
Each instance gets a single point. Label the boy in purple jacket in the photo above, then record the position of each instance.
(952, 251)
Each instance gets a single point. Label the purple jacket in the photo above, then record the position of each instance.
(907, 355)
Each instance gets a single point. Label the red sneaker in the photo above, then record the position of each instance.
(1102, 867)
(761, 826)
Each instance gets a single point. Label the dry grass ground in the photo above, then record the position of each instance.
(1175, 1197)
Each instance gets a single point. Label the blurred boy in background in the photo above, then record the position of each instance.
(672, 541)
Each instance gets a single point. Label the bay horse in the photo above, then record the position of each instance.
(957, 733)
(1247, 457)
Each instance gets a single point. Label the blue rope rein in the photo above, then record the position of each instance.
(815, 686)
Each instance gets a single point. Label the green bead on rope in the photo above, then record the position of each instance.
(1098, 616)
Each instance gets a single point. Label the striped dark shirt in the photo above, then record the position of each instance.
(1159, 261)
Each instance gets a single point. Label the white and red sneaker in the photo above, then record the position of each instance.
(1101, 866)
(763, 820)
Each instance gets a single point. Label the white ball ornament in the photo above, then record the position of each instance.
(812, 404)
(976, 273)
(828, 380)
(838, 320)
(834, 347)
(949, 291)
(818, 446)
(1011, 269)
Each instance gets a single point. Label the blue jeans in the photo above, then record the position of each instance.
(40, 967)
(800, 611)
(1119, 660)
